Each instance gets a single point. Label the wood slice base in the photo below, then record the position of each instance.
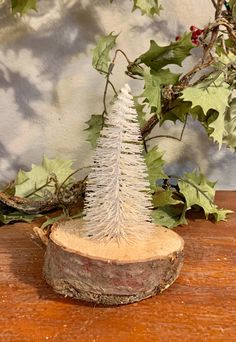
(111, 273)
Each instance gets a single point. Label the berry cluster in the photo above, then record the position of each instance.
(196, 33)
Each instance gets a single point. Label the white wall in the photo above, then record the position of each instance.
(48, 88)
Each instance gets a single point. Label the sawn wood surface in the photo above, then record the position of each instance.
(200, 306)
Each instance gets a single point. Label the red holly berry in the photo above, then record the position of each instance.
(193, 28)
(199, 32)
(195, 42)
(177, 38)
(195, 35)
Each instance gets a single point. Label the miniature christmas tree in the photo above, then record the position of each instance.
(92, 258)
(118, 199)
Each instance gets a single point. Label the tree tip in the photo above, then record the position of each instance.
(126, 88)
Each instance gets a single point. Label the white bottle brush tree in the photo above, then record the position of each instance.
(119, 255)
(118, 200)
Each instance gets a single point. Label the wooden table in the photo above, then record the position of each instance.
(200, 306)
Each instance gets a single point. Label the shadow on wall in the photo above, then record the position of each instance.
(54, 43)
(10, 161)
(25, 91)
(50, 39)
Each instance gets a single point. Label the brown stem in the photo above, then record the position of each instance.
(26, 205)
(163, 136)
(113, 87)
(170, 136)
(183, 129)
(214, 3)
(72, 174)
(149, 125)
(40, 188)
(207, 58)
(123, 53)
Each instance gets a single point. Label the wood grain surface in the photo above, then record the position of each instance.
(200, 306)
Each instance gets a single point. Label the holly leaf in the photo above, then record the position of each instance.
(165, 76)
(155, 164)
(140, 111)
(178, 111)
(94, 129)
(159, 56)
(230, 125)
(101, 53)
(152, 91)
(164, 198)
(27, 182)
(211, 94)
(169, 216)
(23, 6)
(208, 94)
(200, 191)
(148, 7)
(223, 57)
(216, 127)
(14, 216)
(221, 214)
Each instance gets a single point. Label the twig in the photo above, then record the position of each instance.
(145, 145)
(163, 136)
(214, 3)
(183, 129)
(104, 99)
(207, 58)
(72, 174)
(110, 68)
(113, 87)
(170, 136)
(40, 188)
(149, 125)
(123, 53)
(27, 205)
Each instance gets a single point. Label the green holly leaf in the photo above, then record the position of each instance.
(164, 198)
(216, 127)
(140, 111)
(152, 91)
(230, 125)
(165, 76)
(178, 111)
(200, 191)
(23, 6)
(211, 94)
(101, 53)
(169, 216)
(27, 182)
(155, 164)
(94, 129)
(223, 57)
(14, 216)
(221, 214)
(147, 7)
(208, 94)
(159, 56)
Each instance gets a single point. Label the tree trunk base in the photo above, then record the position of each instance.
(110, 273)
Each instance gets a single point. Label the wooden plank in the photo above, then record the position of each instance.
(200, 306)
